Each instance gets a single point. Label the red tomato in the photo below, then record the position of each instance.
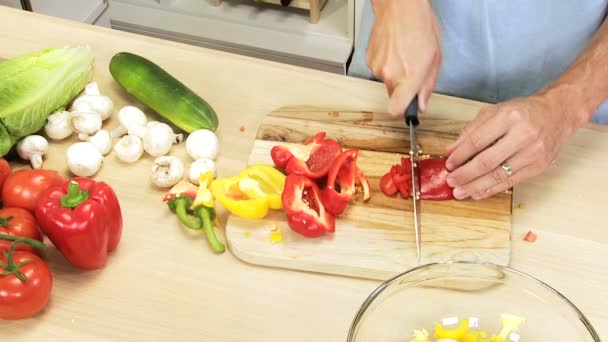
(23, 187)
(23, 299)
(18, 222)
(5, 170)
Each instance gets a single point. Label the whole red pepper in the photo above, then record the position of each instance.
(311, 159)
(433, 179)
(306, 214)
(82, 218)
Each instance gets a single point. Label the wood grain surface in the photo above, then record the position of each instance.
(373, 239)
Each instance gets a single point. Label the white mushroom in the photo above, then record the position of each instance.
(140, 130)
(85, 124)
(102, 141)
(202, 143)
(58, 125)
(129, 148)
(92, 89)
(158, 138)
(128, 117)
(199, 166)
(101, 105)
(84, 159)
(32, 148)
(167, 171)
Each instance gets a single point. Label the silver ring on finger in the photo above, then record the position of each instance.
(507, 169)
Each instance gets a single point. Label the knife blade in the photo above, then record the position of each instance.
(411, 120)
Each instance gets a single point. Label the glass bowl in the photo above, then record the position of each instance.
(428, 294)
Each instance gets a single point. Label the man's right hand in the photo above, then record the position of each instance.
(404, 51)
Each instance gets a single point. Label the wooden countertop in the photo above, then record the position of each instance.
(163, 283)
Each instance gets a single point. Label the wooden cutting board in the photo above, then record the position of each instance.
(375, 239)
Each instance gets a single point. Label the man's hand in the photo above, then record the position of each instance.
(524, 133)
(404, 51)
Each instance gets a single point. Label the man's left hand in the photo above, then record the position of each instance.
(506, 144)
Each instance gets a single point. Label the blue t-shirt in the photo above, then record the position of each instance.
(494, 50)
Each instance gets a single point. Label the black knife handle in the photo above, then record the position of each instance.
(411, 112)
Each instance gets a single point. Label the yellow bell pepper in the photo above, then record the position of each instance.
(455, 333)
(510, 323)
(252, 192)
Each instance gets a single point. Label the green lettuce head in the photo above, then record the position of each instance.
(35, 85)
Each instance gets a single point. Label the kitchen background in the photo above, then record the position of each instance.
(261, 28)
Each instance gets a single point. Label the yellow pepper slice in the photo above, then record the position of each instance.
(203, 194)
(455, 333)
(252, 192)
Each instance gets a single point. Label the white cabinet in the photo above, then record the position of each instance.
(11, 3)
(86, 11)
(247, 27)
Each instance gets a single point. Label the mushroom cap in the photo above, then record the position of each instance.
(202, 143)
(158, 139)
(199, 166)
(129, 148)
(167, 171)
(131, 115)
(32, 144)
(84, 159)
(86, 122)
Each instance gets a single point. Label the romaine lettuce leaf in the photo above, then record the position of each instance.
(35, 85)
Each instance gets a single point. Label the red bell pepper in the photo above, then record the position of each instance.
(311, 159)
(306, 214)
(433, 179)
(81, 218)
(342, 178)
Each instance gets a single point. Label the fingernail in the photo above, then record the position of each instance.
(459, 193)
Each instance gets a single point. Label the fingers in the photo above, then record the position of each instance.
(487, 161)
(477, 139)
(494, 177)
(429, 85)
(401, 97)
(516, 178)
(483, 116)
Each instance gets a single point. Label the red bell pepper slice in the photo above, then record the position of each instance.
(311, 159)
(306, 214)
(362, 180)
(76, 224)
(433, 179)
(340, 185)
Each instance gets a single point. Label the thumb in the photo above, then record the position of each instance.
(400, 98)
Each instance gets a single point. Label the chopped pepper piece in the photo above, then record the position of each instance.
(433, 179)
(311, 159)
(455, 333)
(252, 193)
(342, 178)
(196, 210)
(306, 214)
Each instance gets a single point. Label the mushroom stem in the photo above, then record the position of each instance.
(36, 160)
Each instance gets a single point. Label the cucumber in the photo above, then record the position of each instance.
(161, 92)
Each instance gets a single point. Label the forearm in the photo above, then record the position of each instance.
(582, 88)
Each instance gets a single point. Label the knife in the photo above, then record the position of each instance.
(411, 120)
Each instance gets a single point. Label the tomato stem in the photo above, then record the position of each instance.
(4, 221)
(10, 267)
(74, 197)
(16, 239)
